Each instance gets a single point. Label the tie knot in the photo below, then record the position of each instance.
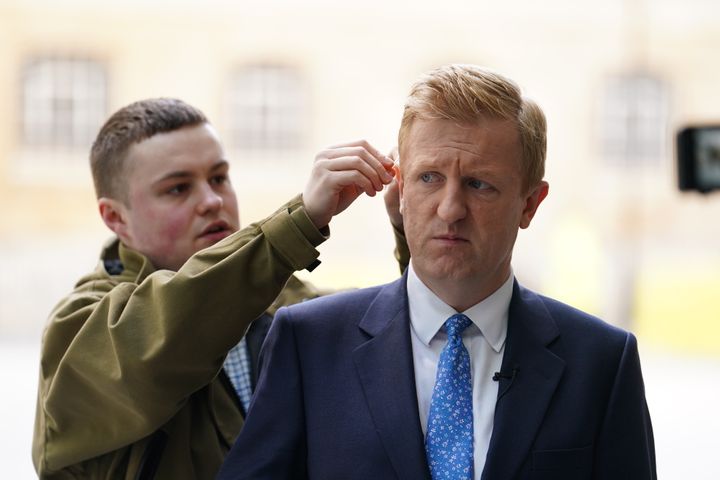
(455, 325)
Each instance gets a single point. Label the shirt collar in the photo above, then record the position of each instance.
(428, 312)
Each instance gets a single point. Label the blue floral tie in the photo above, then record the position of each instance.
(449, 440)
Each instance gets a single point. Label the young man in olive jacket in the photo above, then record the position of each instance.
(135, 378)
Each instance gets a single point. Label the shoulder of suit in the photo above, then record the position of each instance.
(569, 318)
(335, 302)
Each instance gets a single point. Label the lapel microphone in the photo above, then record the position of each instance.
(506, 375)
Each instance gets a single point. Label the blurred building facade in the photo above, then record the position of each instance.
(280, 80)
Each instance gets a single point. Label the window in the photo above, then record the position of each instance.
(63, 102)
(267, 109)
(635, 119)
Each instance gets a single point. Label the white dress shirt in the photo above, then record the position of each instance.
(484, 340)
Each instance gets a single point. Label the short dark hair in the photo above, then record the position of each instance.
(129, 125)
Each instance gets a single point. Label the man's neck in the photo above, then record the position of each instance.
(462, 294)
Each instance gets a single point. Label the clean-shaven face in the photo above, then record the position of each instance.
(180, 199)
(462, 203)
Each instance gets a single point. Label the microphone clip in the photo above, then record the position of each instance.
(505, 375)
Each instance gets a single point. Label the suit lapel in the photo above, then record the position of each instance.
(523, 400)
(385, 368)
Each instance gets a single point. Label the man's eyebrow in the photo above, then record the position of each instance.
(219, 165)
(180, 174)
(183, 174)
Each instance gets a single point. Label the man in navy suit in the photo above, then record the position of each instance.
(454, 370)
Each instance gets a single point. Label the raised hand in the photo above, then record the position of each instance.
(340, 174)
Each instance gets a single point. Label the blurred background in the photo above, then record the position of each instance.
(281, 80)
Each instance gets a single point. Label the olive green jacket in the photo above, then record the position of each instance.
(141, 351)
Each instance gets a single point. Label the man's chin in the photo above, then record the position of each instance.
(445, 269)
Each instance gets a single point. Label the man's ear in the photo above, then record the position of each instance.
(532, 202)
(113, 214)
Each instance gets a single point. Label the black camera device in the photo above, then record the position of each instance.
(698, 156)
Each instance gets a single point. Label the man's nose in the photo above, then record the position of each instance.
(210, 200)
(452, 206)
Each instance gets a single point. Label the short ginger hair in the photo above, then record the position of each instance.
(468, 93)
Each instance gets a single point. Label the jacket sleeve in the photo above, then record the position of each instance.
(119, 359)
(625, 447)
(272, 442)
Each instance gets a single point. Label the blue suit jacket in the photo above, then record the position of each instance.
(336, 396)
